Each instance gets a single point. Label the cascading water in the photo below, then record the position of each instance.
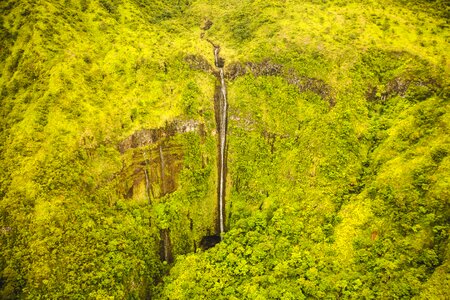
(147, 180)
(221, 121)
(163, 167)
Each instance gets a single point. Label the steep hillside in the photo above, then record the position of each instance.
(336, 163)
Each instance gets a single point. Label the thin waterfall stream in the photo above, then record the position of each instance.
(163, 167)
(147, 180)
(221, 108)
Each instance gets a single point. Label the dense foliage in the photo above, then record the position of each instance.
(338, 149)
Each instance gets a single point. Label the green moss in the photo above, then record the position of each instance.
(338, 147)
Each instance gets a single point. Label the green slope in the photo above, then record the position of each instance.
(338, 169)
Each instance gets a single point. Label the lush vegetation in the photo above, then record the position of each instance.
(338, 149)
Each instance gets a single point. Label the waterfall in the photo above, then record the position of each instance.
(221, 120)
(165, 251)
(223, 137)
(147, 189)
(162, 164)
(147, 180)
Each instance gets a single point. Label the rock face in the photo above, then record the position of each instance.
(153, 160)
(269, 68)
(199, 63)
(209, 241)
(265, 68)
(207, 25)
(147, 137)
